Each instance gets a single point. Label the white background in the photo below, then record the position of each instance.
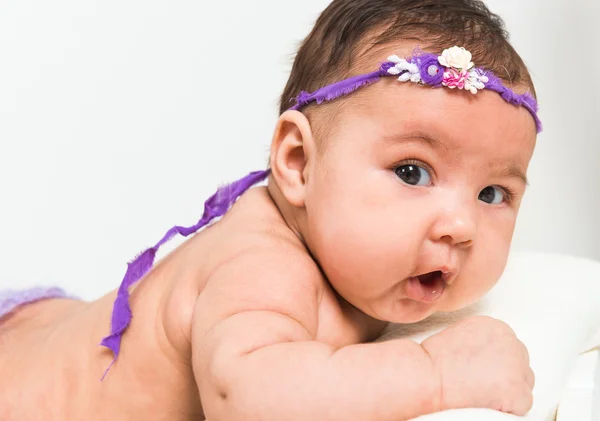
(118, 119)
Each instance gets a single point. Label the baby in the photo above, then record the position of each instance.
(394, 185)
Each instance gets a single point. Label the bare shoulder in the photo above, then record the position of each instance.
(273, 273)
(269, 270)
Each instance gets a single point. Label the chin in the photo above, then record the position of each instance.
(411, 318)
(408, 311)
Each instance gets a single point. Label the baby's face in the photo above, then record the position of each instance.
(411, 208)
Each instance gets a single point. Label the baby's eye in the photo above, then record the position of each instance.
(413, 175)
(493, 195)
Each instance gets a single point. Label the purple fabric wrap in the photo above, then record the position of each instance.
(423, 61)
(11, 299)
(216, 206)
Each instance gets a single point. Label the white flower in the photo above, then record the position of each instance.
(415, 78)
(407, 71)
(456, 57)
(404, 77)
(475, 81)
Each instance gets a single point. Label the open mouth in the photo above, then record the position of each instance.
(430, 278)
(427, 288)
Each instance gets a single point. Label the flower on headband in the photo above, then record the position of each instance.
(432, 72)
(456, 57)
(455, 78)
(453, 69)
(459, 72)
(475, 81)
(471, 81)
(408, 71)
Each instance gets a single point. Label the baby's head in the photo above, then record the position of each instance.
(406, 195)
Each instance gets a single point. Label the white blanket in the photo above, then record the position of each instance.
(552, 303)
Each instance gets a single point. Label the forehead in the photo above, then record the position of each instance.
(481, 123)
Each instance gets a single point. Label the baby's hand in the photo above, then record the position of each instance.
(482, 364)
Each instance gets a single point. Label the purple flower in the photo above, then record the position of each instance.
(432, 72)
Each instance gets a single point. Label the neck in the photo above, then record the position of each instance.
(289, 213)
(369, 327)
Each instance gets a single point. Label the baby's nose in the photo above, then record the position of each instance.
(456, 224)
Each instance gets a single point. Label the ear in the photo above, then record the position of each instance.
(292, 149)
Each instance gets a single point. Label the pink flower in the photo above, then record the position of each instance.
(454, 78)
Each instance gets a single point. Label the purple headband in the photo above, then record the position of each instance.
(452, 69)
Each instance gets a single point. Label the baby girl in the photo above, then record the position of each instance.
(397, 168)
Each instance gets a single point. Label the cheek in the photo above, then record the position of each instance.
(343, 230)
(486, 263)
(497, 238)
(360, 229)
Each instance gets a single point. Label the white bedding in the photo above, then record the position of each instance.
(580, 402)
(552, 303)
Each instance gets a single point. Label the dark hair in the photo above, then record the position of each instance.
(347, 27)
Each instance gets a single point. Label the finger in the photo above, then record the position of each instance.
(523, 403)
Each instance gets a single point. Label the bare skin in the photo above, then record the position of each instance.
(51, 362)
(270, 313)
(53, 346)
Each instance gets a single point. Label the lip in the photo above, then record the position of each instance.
(448, 277)
(425, 291)
(449, 273)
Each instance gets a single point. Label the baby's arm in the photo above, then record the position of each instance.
(256, 357)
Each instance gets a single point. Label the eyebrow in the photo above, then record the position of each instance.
(416, 136)
(511, 170)
(514, 171)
